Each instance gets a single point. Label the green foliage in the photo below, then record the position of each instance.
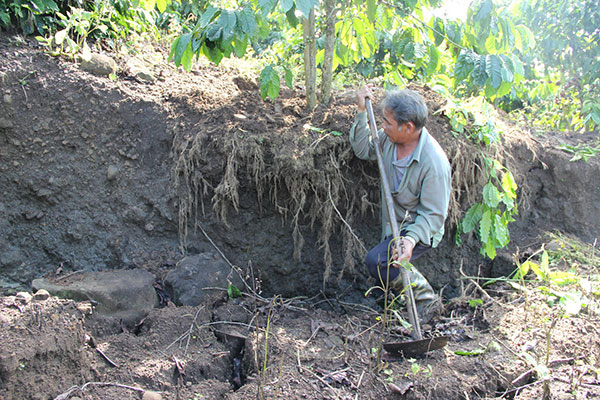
(580, 152)
(30, 16)
(498, 206)
(77, 25)
(497, 209)
(571, 300)
(569, 51)
(67, 27)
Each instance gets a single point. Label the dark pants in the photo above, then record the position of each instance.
(377, 259)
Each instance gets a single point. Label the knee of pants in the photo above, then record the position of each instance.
(373, 262)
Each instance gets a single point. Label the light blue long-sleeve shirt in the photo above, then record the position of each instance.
(424, 191)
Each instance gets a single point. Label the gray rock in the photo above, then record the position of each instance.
(24, 297)
(149, 395)
(100, 65)
(41, 295)
(111, 172)
(6, 123)
(140, 70)
(125, 294)
(193, 274)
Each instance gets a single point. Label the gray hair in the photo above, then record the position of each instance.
(406, 106)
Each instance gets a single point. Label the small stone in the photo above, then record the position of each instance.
(149, 227)
(149, 395)
(241, 117)
(24, 297)
(41, 295)
(85, 308)
(99, 64)
(5, 123)
(112, 172)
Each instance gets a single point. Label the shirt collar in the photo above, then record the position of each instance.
(419, 149)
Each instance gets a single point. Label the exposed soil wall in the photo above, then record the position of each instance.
(97, 174)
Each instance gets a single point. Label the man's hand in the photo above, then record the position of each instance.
(361, 95)
(403, 256)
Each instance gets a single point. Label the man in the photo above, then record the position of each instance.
(419, 177)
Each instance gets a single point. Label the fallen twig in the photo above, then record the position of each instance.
(108, 360)
(319, 378)
(358, 384)
(586, 385)
(189, 334)
(474, 282)
(72, 389)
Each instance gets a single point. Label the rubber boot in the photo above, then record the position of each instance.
(428, 303)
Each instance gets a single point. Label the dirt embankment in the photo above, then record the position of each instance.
(97, 175)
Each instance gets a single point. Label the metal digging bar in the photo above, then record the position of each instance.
(413, 316)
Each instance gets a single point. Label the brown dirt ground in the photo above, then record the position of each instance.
(316, 348)
(187, 352)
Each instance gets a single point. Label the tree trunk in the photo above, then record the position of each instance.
(327, 75)
(310, 55)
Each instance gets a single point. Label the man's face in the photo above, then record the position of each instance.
(400, 134)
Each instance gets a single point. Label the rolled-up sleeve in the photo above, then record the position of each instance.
(360, 138)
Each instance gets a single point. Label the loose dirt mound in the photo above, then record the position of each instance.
(217, 351)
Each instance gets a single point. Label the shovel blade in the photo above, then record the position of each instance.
(416, 348)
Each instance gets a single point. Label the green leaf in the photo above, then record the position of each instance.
(148, 4)
(60, 36)
(266, 6)
(239, 46)
(484, 10)
(227, 21)
(214, 32)
(485, 226)
(304, 6)
(161, 5)
(186, 58)
(479, 74)
(371, 10)
(289, 77)
(179, 47)
(214, 54)
(523, 269)
(434, 60)
(509, 185)
(233, 292)
(269, 82)
(464, 65)
(501, 233)
(208, 16)
(494, 70)
(286, 5)
(246, 21)
(438, 31)
(490, 249)
(491, 195)
(476, 352)
(472, 217)
(291, 17)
